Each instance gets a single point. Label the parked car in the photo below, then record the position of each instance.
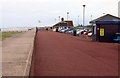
(80, 32)
(86, 33)
(54, 29)
(86, 30)
(60, 30)
(90, 34)
(117, 38)
(63, 30)
(69, 32)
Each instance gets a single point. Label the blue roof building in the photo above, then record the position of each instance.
(106, 28)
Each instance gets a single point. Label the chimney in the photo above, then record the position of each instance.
(62, 19)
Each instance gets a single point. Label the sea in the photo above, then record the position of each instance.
(18, 29)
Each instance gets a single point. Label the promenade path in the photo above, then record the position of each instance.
(59, 54)
(17, 53)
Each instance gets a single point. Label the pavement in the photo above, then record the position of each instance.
(0, 58)
(17, 53)
(58, 54)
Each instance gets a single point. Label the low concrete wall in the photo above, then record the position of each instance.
(29, 59)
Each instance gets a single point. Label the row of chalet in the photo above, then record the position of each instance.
(63, 24)
(104, 27)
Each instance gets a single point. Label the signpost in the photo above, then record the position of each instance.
(102, 31)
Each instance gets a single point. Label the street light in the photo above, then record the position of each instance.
(84, 15)
(59, 18)
(91, 18)
(67, 15)
(39, 22)
(59, 22)
(55, 20)
(78, 20)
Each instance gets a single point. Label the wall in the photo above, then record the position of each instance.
(110, 31)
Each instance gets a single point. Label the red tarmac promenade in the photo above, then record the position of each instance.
(58, 54)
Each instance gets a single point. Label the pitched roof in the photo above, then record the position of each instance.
(106, 18)
(64, 23)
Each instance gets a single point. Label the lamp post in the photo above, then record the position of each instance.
(59, 18)
(119, 9)
(78, 20)
(59, 23)
(55, 20)
(84, 15)
(39, 22)
(91, 18)
(67, 15)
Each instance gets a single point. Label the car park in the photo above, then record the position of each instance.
(85, 31)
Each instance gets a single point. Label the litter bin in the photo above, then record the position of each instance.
(74, 32)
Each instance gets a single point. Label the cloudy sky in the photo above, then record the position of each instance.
(25, 13)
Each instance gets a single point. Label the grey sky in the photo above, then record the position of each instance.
(22, 13)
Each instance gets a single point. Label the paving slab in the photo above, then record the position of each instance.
(17, 53)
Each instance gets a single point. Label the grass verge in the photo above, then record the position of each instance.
(4, 35)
